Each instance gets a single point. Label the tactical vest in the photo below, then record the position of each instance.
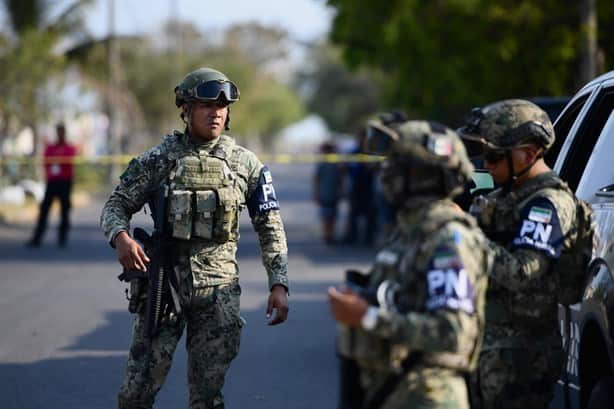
(407, 251)
(500, 219)
(204, 200)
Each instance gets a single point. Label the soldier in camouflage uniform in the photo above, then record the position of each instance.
(415, 326)
(210, 180)
(531, 223)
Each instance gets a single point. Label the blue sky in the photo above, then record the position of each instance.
(303, 19)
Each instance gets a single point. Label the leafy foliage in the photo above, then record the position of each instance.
(29, 59)
(344, 99)
(441, 57)
(150, 73)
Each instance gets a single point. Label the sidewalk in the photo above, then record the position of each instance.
(27, 214)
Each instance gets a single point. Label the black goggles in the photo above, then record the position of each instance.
(493, 155)
(379, 138)
(213, 90)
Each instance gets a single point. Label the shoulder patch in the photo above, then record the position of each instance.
(264, 198)
(540, 214)
(267, 176)
(540, 228)
(133, 172)
(449, 285)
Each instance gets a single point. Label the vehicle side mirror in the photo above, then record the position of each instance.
(606, 191)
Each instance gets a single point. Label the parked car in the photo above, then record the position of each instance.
(584, 153)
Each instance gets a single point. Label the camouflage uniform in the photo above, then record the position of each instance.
(436, 261)
(208, 270)
(522, 354)
(531, 227)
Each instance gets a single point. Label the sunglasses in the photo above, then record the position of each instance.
(493, 155)
(213, 90)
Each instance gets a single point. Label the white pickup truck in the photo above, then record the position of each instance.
(584, 154)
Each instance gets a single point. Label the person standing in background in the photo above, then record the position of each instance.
(361, 178)
(327, 182)
(58, 159)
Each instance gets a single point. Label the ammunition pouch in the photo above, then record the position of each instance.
(226, 215)
(206, 204)
(180, 214)
(205, 197)
(211, 215)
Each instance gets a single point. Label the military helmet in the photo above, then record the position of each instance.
(436, 155)
(509, 124)
(205, 84)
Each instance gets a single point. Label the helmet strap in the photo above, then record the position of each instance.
(186, 117)
(507, 186)
(514, 176)
(227, 124)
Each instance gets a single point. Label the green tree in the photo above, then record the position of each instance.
(29, 59)
(149, 74)
(344, 99)
(441, 57)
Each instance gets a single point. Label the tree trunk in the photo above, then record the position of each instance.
(588, 32)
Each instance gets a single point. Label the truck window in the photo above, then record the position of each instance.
(562, 127)
(586, 137)
(599, 171)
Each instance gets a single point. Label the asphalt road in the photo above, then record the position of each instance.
(65, 329)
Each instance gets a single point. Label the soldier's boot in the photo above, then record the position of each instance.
(123, 403)
(217, 402)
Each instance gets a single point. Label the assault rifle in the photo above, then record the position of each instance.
(160, 279)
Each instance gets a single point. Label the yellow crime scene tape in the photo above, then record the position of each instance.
(125, 159)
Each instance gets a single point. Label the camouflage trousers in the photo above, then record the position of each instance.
(213, 335)
(426, 388)
(516, 378)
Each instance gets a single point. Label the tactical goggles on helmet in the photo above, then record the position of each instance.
(379, 138)
(213, 90)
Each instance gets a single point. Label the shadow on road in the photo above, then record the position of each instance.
(289, 366)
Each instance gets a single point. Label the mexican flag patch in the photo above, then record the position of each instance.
(540, 214)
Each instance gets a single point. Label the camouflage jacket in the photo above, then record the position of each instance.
(530, 227)
(439, 260)
(209, 263)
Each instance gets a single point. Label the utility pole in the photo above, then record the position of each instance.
(588, 32)
(175, 39)
(113, 100)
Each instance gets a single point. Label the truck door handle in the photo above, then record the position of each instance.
(606, 191)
